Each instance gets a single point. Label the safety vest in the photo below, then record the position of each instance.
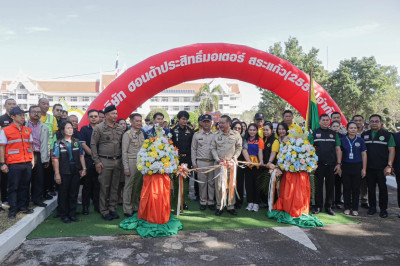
(377, 148)
(49, 123)
(18, 147)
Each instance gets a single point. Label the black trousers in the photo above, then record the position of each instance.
(68, 193)
(3, 186)
(49, 182)
(351, 174)
(19, 176)
(338, 189)
(91, 185)
(252, 183)
(324, 173)
(37, 180)
(377, 176)
(397, 171)
(240, 184)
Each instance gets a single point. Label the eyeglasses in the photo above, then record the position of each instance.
(58, 110)
(374, 121)
(93, 116)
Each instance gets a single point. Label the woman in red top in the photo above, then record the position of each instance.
(253, 153)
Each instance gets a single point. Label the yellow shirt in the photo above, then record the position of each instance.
(55, 126)
(293, 128)
(261, 132)
(275, 146)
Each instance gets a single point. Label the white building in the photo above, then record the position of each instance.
(79, 94)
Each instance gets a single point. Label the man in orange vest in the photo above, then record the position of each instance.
(16, 159)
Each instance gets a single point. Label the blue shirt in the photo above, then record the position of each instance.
(56, 151)
(85, 136)
(358, 146)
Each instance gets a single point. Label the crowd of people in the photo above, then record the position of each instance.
(44, 153)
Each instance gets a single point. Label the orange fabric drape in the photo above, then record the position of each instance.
(155, 200)
(295, 193)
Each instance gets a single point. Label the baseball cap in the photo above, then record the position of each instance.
(17, 110)
(259, 116)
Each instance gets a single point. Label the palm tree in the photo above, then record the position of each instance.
(209, 99)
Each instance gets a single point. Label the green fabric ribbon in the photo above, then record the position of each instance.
(306, 221)
(146, 229)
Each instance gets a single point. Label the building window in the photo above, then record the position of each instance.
(164, 99)
(175, 99)
(85, 99)
(50, 98)
(186, 108)
(220, 97)
(74, 107)
(176, 108)
(74, 99)
(22, 96)
(165, 107)
(187, 99)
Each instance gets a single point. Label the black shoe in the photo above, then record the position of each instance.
(12, 215)
(52, 193)
(107, 217)
(398, 215)
(371, 211)
(218, 212)
(128, 215)
(232, 212)
(365, 205)
(185, 207)
(85, 210)
(40, 204)
(383, 214)
(211, 207)
(48, 197)
(73, 218)
(316, 210)
(65, 220)
(114, 215)
(203, 207)
(330, 211)
(26, 210)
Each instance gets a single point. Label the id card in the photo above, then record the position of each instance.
(351, 156)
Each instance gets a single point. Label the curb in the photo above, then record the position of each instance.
(15, 235)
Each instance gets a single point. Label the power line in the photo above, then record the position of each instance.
(79, 75)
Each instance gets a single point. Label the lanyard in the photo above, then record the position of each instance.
(351, 143)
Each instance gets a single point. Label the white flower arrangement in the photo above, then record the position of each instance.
(158, 155)
(297, 155)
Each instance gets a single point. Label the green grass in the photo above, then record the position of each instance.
(193, 219)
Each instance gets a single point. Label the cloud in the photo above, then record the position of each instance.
(36, 29)
(7, 34)
(350, 32)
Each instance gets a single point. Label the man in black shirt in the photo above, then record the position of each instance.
(57, 112)
(5, 120)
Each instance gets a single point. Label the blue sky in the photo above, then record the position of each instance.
(49, 39)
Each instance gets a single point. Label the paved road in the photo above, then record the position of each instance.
(374, 241)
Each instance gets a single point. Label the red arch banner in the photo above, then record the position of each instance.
(211, 60)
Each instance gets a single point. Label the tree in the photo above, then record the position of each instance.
(158, 110)
(272, 105)
(193, 117)
(209, 99)
(362, 86)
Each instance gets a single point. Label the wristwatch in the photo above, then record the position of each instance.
(84, 169)
(389, 165)
(339, 164)
(1, 164)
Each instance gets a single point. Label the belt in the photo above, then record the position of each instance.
(183, 155)
(110, 157)
(206, 160)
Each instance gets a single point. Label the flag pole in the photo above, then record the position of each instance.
(309, 101)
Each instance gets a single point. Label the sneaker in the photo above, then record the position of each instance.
(347, 212)
(255, 207)
(354, 213)
(249, 207)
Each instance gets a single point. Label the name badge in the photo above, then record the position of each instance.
(351, 156)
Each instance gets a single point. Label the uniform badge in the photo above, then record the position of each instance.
(318, 135)
(366, 137)
(6, 122)
(381, 138)
(331, 136)
(357, 144)
(76, 144)
(269, 145)
(219, 138)
(187, 131)
(26, 131)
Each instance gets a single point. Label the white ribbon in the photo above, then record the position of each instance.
(271, 192)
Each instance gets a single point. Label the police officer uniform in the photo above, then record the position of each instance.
(378, 144)
(106, 149)
(202, 157)
(132, 141)
(325, 142)
(225, 147)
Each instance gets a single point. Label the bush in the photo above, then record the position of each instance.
(192, 118)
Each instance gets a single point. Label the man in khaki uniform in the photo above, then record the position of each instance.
(202, 157)
(106, 154)
(226, 145)
(132, 141)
